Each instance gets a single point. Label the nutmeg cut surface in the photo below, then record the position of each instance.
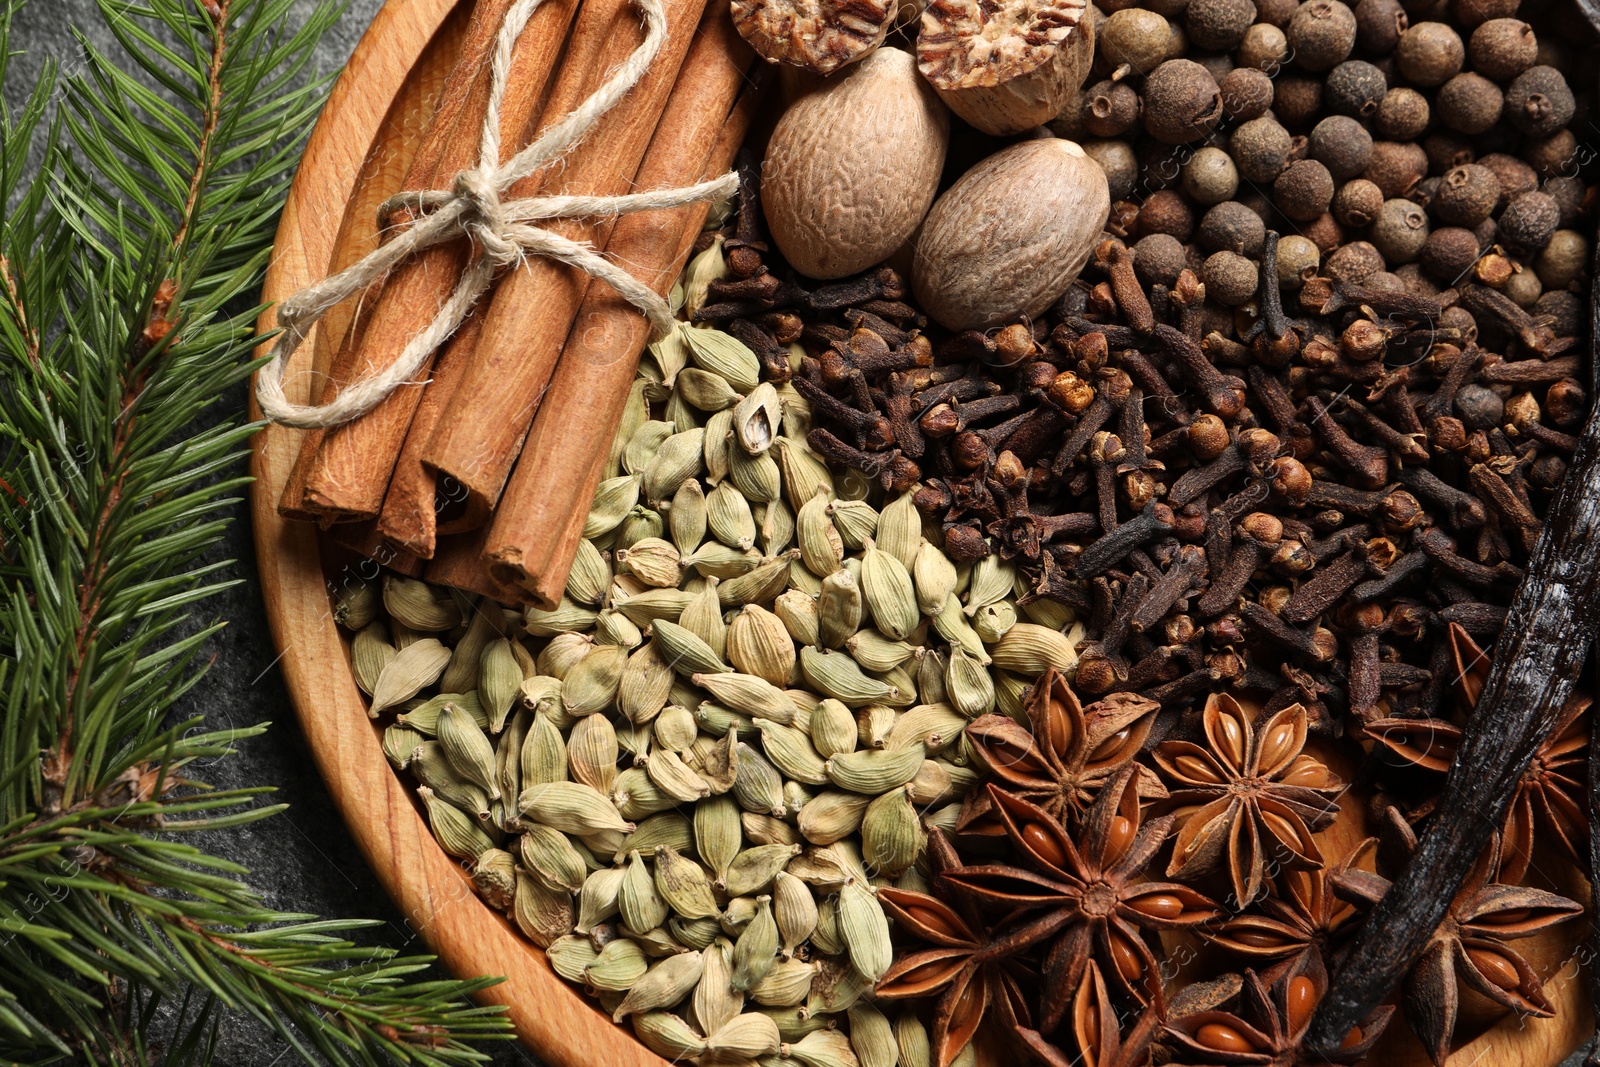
(1008, 239)
(852, 168)
(1006, 66)
(820, 35)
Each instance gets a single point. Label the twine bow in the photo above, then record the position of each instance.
(499, 229)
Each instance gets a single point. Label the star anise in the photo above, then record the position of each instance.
(1303, 916)
(1267, 1029)
(1096, 1031)
(959, 965)
(1249, 795)
(1470, 945)
(1550, 797)
(1082, 900)
(1061, 763)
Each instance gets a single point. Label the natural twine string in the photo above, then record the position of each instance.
(499, 230)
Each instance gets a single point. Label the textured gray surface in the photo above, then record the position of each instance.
(301, 860)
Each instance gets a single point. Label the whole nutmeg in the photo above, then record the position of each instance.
(1009, 70)
(1011, 235)
(852, 168)
(815, 37)
(1181, 102)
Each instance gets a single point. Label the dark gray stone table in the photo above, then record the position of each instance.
(301, 860)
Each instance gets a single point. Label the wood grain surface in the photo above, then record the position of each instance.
(355, 158)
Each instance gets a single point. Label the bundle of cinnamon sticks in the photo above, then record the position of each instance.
(481, 476)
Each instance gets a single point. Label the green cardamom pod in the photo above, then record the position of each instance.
(399, 742)
(902, 683)
(757, 586)
(499, 682)
(1029, 649)
(725, 355)
(640, 523)
(453, 828)
(934, 576)
(794, 908)
(615, 628)
(992, 580)
(798, 613)
(754, 869)
(542, 914)
(686, 519)
(749, 695)
(912, 1038)
(635, 413)
(758, 786)
(653, 604)
(355, 605)
(638, 901)
(856, 520)
(571, 807)
(685, 651)
(825, 938)
(900, 528)
(407, 673)
(590, 576)
(683, 884)
(598, 900)
(643, 446)
(873, 771)
(833, 729)
(804, 473)
(654, 561)
(484, 625)
(674, 778)
(562, 653)
(565, 617)
(787, 985)
(425, 716)
(370, 653)
(876, 652)
(467, 748)
(740, 1040)
(569, 955)
(756, 949)
(705, 268)
(716, 560)
(775, 526)
(620, 964)
(952, 625)
(715, 720)
(934, 726)
(930, 677)
(891, 833)
(994, 621)
(832, 816)
(821, 547)
(613, 500)
(718, 446)
(932, 785)
(668, 1036)
(417, 605)
(757, 419)
(886, 584)
(967, 684)
(704, 390)
(663, 985)
(494, 876)
(836, 675)
(839, 609)
(872, 1037)
(592, 685)
(715, 1001)
(668, 828)
(1051, 614)
(823, 1048)
(864, 929)
(694, 933)
(675, 729)
(636, 796)
(646, 682)
(791, 752)
(765, 830)
(544, 753)
(718, 835)
(552, 858)
(592, 753)
(433, 769)
(757, 477)
(759, 644)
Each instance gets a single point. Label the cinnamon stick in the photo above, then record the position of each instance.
(532, 308)
(540, 518)
(458, 561)
(413, 507)
(345, 470)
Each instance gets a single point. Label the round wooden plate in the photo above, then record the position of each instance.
(357, 157)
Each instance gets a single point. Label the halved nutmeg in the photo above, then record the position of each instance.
(1009, 66)
(820, 35)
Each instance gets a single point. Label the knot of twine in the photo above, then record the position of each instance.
(499, 230)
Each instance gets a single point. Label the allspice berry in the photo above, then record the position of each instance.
(1355, 87)
(1379, 24)
(1471, 13)
(1341, 144)
(1246, 93)
(1264, 48)
(1210, 176)
(1401, 115)
(1567, 192)
(1523, 287)
(1564, 259)
(1357, 203)
(1502, 48)
(1321, 33)
(1158, 259)
(1218, 25)
(1230, 278)
(1296, 99)
(1528, 222)
(1566, 312)
(1539, 102)
(1232, 227)
(1354, 262)
(1116, 158)
(1133, 36)
(1429, 53)
(1164, 211)
(1446, 150)
(1449, 253)
(1552, 156)
(1296, 256)
(1304, 190)
(1260, 148)
(1324, 231)
(1470, 103)
(1276, 12)
(1466, 195)
(1515, 176)
(1110, 109)
(1181, 102)
(1396, 166)
(1400, 231)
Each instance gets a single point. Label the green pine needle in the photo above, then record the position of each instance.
(127, 268)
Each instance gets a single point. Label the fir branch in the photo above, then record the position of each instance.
(126, 266)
